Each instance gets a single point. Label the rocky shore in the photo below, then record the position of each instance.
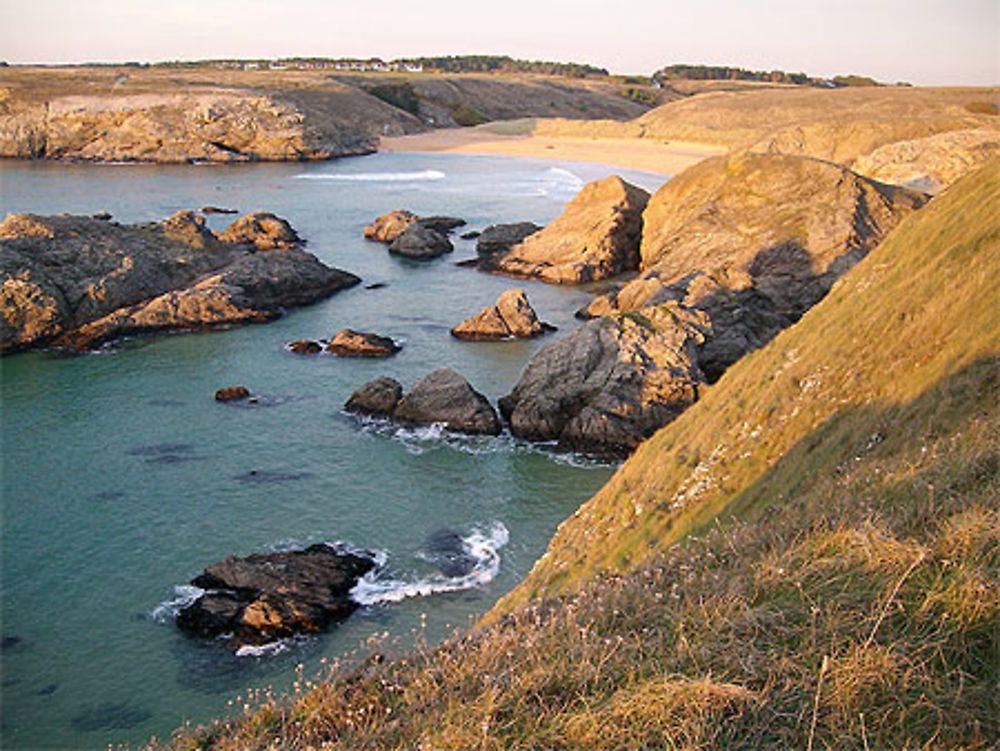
(76, 282)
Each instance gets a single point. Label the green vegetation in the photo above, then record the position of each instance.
(808, 558)
(640, 95)
(503, 64)
(728, 73)
(466, 116)
(399, 94)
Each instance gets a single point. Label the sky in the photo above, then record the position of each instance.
(924, 42)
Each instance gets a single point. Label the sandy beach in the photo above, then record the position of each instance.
(665, 157)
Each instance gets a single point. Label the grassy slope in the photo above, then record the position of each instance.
(849, 600)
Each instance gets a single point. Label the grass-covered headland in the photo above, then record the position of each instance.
(808, 558)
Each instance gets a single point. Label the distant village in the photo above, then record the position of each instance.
(372, 65)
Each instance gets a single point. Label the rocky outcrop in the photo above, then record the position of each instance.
(734, 251)
(265, 597)
(349, 343)
(753, 241)
(442, 396)
(610, 384)
(420, 244)
(376, 398)
(386, 228)
(77, 282)
(511, 318)
(263, 230)
(497, 239)
(596, 237)
(304, 347)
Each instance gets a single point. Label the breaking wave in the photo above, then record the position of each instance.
(481, 547)
(378, 177)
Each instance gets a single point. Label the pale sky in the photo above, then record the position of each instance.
(930, 42)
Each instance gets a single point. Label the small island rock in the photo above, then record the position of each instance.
(388, 227)
(304, 347)
(349, 343)
(419, 243)
(511, 318)
(444, 396)
(232, 394)
(262, 598)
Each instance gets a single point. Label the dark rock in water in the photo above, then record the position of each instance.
(217, 210)
(376, 398)
(304, 347)
(376, 285)
(173, 459)
(9, 642)
(104, 216)
(266, 597)
(419, 243)
(470, 235)
(442, 224)
(49, 689)
(446, 397)
(468, 262)
(446, 549)
(499, 238)
(348, 343)
(110, 716)
(232, 393)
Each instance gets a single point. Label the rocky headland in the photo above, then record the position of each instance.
(76, 282)
(733, 251)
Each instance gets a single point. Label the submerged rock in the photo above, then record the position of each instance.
(266, 597)
(349, 343)
(511, 318)
(596, 237)
(420, 243)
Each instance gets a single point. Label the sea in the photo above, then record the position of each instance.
(122, 478)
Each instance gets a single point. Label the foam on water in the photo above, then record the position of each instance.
(481, 547)
(184, 595)
(377, 177)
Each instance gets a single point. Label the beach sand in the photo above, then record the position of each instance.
(651, 155)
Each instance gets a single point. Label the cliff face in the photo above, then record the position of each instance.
(205, 114)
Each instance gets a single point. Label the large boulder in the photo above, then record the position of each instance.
(350, 343)
(265, 597)
(497, 239)
(511, 318)
(596, 237)
(442, 396)
(611, 384)
(420, 243)
(76, 282)
(263, 230)
(376, 398)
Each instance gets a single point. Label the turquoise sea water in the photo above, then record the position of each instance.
(122, 478)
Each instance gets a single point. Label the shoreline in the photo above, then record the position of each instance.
(648, 155)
